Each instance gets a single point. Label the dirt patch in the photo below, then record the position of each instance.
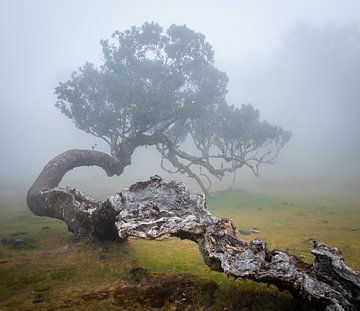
(178, 292)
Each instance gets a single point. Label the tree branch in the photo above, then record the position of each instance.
(155, 209)
(168, 209)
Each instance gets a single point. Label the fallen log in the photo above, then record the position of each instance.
(155, 209)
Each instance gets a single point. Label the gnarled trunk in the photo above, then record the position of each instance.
(155, 209)
(83, 215)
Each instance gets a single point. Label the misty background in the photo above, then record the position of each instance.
(298, 62)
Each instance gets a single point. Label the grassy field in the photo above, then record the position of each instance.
(98, 276)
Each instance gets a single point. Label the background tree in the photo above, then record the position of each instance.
(163, 89)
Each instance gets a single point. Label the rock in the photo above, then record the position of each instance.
(38, 298)
(245, 231)
(12, 241)
(19, 242)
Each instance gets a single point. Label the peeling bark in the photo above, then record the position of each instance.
(155, 209)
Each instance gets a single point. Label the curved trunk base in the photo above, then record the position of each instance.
(84, 216)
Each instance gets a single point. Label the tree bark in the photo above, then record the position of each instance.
(83, 215)
(155, 209)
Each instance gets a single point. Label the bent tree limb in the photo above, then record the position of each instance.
(155, 209)
(82, 214)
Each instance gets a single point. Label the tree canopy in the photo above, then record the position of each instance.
(163, 89)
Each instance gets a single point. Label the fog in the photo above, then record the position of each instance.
(298, 62)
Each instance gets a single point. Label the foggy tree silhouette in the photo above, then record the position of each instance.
(153, 89)
(162, 89)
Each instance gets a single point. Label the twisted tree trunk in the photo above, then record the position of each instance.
(155, 209)
(83, 215)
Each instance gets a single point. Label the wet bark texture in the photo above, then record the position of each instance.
(84, 216)
(155, 209)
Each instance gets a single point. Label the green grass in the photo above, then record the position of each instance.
(63, 271)
(291, 221)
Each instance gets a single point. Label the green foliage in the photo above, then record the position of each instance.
(147, 78)
(165, 86)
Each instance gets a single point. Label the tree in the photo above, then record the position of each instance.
(319, 69)
(154, 89)
(164, 90)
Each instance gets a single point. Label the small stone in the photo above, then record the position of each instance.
(38, 298)
(12, 241)
(245, 231)
(18, 242)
